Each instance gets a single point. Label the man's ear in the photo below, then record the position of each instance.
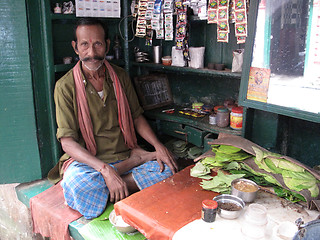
(107, 45)
(75, 47)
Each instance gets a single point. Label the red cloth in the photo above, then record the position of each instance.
(124, 113)
(50, 215)
(165, 207)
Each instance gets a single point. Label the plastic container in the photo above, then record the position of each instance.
(255, 222)
(213, 119)
(223, 117)
(166, 60)
(209, 210)
(57, 8)
(236, 118)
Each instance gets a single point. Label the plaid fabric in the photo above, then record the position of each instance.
(149, 173)
(85, 189)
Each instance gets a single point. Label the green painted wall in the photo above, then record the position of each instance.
(19, 155)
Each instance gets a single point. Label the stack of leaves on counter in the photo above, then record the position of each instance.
(221, 183)
(295, 177)
(231, 158)
(224, 155)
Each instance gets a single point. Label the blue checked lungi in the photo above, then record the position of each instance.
(86, 191)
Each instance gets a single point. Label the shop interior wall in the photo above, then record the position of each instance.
(264, 128)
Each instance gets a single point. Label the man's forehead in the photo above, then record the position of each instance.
(90, 29)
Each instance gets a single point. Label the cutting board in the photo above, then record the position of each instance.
(162, 209)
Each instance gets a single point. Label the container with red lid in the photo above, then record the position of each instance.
(209, 210)
(236, 118)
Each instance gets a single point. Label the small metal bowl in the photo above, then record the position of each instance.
(246, 196)
(119, 224)
(224, 199)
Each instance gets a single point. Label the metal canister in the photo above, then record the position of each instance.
(209, 210)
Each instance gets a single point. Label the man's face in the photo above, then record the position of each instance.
(91, 46)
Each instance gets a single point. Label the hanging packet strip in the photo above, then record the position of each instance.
(156, 16)
(135, 8)
(212, 11)
(149, 11)
(240, 20)
(223, 21)
(168, 27)
(168, 19)
(160, 32)
(141, 21)
(181, 24)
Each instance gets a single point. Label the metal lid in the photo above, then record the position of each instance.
(211, 204)
(222, 109)
(237, 109)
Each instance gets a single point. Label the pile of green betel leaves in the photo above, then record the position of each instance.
(232, 159)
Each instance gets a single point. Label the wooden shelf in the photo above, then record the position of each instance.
(200, 123)
(188, 70)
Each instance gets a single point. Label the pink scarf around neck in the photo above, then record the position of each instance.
(124, 113)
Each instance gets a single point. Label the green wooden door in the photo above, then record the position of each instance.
(19, 154)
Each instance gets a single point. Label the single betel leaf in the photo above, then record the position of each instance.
(228, 149)
(284, 164)
(232, 166)
(262, 165)
(314, 190)
(258, 152)
(199, 170)
(272, 166)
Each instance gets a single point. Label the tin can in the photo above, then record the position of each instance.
(209, 210)
(236, 118)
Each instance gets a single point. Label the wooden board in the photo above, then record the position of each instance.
(153, 91)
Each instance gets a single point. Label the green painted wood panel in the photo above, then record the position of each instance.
(19, 155)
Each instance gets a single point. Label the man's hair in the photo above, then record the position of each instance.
(91, 22)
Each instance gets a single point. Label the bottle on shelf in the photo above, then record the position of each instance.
(57, 8)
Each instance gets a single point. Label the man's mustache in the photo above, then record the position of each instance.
(99, 58)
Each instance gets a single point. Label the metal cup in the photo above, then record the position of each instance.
(157, 52)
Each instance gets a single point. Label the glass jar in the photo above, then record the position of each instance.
(209, 210)
(223, 117)
(236, 117)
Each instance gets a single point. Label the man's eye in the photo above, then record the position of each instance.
(99, 44)
(84, 44)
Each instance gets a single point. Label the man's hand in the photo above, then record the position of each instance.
(163, 155)
(117, 186)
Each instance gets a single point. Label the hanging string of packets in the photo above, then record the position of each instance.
(158, 15)
(222, 12)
